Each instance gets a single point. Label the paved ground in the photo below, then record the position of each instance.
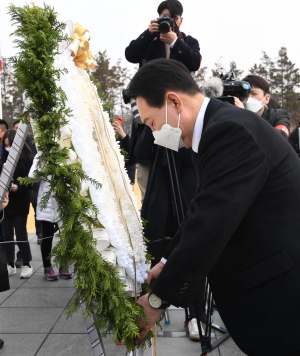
(33, 323)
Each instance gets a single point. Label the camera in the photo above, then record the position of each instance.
(165, 22)
(234, 87)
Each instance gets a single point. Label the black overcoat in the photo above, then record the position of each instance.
(242, 231)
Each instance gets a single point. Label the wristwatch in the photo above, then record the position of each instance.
(156, 302)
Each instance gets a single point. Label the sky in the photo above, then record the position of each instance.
(230, 30)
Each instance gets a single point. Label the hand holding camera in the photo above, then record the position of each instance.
(238, 103)
(164, 27)
(153, 27)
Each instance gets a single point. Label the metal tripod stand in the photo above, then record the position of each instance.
(205, 338)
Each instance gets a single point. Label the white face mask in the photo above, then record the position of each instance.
(252, 104)
(168, 136)
(7, 149)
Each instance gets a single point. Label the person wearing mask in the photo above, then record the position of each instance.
(16, 213)
(258, 101)
(242, 226)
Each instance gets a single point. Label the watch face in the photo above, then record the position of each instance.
(154, 301)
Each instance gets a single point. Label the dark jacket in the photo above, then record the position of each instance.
(19, 201)
(158, 205)
(242, 231)
(277, 117)
(147, 47)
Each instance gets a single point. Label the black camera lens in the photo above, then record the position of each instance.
(164, 27)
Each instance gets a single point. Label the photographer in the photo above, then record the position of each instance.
(258, 100)
(174, 44)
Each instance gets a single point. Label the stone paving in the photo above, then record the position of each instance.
(33, 323)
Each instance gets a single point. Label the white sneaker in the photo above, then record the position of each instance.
(26, 272)
(193, 329)
(11, 270)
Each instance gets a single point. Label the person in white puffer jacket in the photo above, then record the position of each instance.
(49, 217)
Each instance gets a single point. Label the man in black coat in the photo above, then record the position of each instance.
(242, 227)
(4, 280)
(174, 44)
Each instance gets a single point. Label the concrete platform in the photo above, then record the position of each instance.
(33, 322)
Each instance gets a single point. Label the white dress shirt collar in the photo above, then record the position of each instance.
(199, 126)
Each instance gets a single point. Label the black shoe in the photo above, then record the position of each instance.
(19, 262)
(1, 343)
(39, 240)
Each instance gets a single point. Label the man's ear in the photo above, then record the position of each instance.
(268, 97)
(175, 100)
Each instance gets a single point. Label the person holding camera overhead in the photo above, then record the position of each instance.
(163, 39)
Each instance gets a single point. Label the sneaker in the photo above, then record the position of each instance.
(19, 262)
(49, 274)
(26, 272)
(64, 274)
(11, 270)
(1, 343)
(193, 329)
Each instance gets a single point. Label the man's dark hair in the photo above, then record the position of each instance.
(174, 6)
(158, 76)
(4, 123)
(16, 122)
(258, 82)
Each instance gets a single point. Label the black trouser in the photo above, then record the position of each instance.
(46, 247)
(17, 222)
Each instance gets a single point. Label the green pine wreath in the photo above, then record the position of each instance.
(97, 282)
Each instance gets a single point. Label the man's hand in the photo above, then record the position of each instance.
(238, 103)
(152, 315)
(153, 27)
(169, 37)
(154, 272)
(118, 130)
(5, 202)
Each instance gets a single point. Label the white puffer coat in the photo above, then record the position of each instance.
(50, 213)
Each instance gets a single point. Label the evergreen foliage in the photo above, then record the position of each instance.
(284, 80)
(113, 78)
(97, 282)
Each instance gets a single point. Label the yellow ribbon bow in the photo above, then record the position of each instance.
(80, 48)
